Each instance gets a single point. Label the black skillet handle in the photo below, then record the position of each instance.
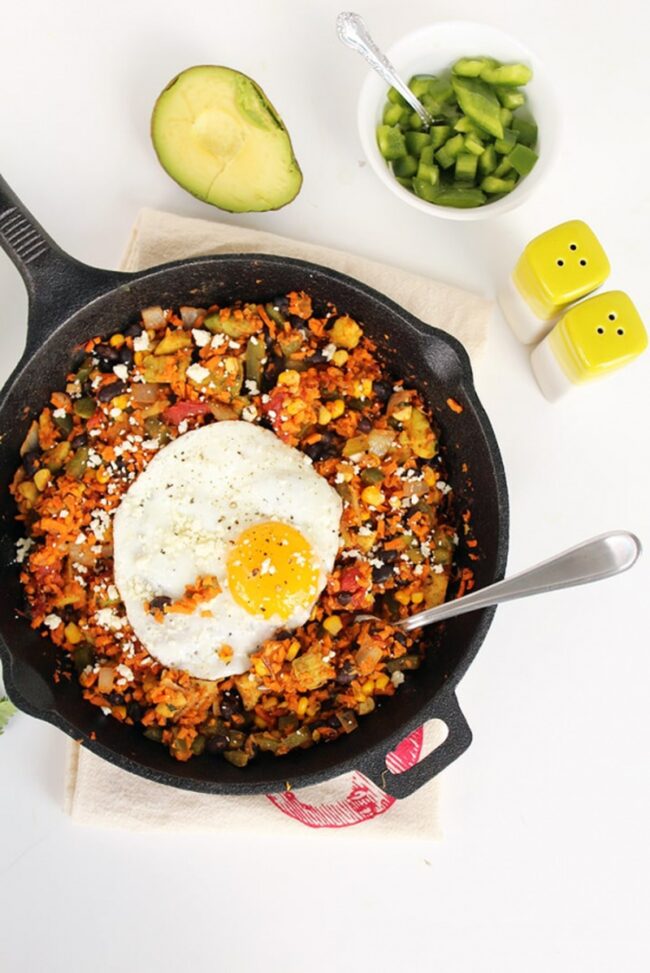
(56, 283)
(456, 742)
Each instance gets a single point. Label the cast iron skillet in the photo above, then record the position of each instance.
(70, 302)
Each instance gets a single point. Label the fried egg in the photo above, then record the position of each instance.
(226, 536)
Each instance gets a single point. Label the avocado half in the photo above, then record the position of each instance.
(216, 133)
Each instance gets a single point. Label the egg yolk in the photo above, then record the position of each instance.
(272, 570)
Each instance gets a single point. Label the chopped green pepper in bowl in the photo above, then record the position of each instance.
(495, 124)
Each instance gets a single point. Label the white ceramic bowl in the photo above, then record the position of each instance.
(432, 50)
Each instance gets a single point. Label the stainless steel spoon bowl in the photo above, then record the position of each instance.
(595, 559)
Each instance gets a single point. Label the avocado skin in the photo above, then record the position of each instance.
(294, 171)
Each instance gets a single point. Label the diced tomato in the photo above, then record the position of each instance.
(184, 409)
(351, 578)
(274, 409)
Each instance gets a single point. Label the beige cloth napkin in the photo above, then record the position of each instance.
(97, 793)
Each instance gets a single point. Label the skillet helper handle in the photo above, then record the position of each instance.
(457, 741)
(56, 283)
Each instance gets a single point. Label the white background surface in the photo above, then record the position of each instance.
(545, 858)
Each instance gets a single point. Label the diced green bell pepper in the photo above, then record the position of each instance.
(487, 161)
(506, 117)
(438, 135)
(392, 114)
(446, 155)
(425, 190)
(416, 141)
(507, 143)
(522, 159)
(491, 184)
(465, 171)
(460, 197)
(510, 98)
(507, 75)
(397, 99)
(405, 167)
(480, 104)
(419, 84)
(503, 168)
(391, 142)
(526, 131)
(471, 67)
(473, 144)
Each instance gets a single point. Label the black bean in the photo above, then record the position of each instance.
(80, 440)
(217, 743)
(282, 636)
(30, 461)
(134, 711)
(389, 556)
(111, 391)
(133, 330)
(298, 324)
(344, 597)
(364, 424)
(116, 699)
(126, 356)
(230, 704)
(321, 450)
(381, 574)
(318, 358)
(382, 390)
(319, 309)
(317, 724)
(401, 638)
(160, 601)
(334, 722)
(281, 302)
(107, 357)
(346, 674)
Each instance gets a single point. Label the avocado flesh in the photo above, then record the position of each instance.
(219, 137)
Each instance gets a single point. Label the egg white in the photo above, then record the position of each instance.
(180, 519)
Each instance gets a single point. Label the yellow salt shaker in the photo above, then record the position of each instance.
(556, 269)
(591, 340)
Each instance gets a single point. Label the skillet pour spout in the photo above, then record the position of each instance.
(69, 303)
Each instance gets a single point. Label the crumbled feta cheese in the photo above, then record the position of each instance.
(425, 547)
(329, 351)
(100, 522)
(141, 342)
(182, 426)
(197, 373)
(201, 337)
(94, 459)
(218, 340)
(365, 531)
(249, 413)
(233, 344)
(251, 386)
(125, 672)
(106, 710)
(113, 593)
(59, 414)
(397, 678)
(121, 371)
(23, 545)
(418, 569)
(437, 568)
(150, 444)
(340, 478)
(108, 618)
(115, 413)
(52, 621)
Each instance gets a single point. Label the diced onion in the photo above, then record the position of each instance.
(380, 441)
(189, 315)
(153, 317)
(106, 679)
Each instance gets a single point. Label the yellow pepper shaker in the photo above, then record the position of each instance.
(556, 269)
(592, 339)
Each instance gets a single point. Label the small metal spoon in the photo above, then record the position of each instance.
(595, 559)
(352, 31)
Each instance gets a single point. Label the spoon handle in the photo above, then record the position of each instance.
(352, 31)
(595, 559)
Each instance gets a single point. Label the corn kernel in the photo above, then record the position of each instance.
(417, 597)
(73, 633)
(403, 597)
(340, 357)
(260, 722)
(362, 388)
(121, 401)
(260, 667)
(324, 416)
(102, 475)
(294, 407)
(302, 706)
(368, 687)
(290, 377)
(293, 650)
(117, 340)
(333, 625)
(337, 408)
(372, 496)
(42, 478)
(381, 681)
(403, 414)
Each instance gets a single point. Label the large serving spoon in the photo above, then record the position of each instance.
(352, 31)
(595, 559)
